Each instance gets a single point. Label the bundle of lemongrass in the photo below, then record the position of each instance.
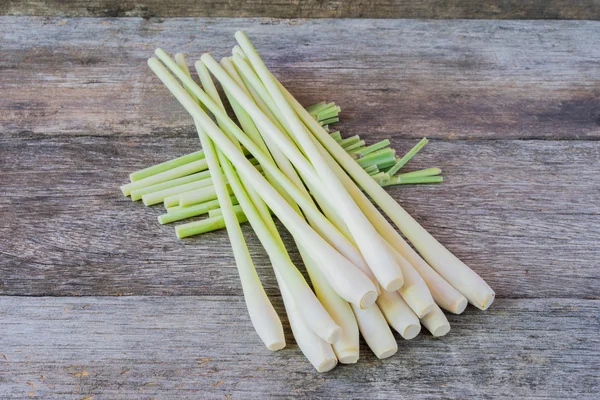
(281, 160)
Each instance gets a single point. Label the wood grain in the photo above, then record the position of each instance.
(524, 214)
(451, 79)
(504, 9)
(205, 347)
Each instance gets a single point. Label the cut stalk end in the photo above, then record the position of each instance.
(394, 284)
(368, 300)
(327, 365)
(274, 346)
(411, 331)
(348, 356)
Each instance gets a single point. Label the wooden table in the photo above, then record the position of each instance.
(100, 302)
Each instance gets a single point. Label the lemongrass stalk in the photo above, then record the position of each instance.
(421, 173)
(376, 331)
(372, 148)
(204, 226)
(410, 154)
(165, 166)
(436, 322)
(371, 247)
(351, 283)
(198, 196)
(377, 157)
(358, 145)
(454, 271)
(265, 320)
(316, 107)
(442, 292)
(346, 347)
(385, 165)
(400, 180)
(191, 211)
(238, 50)
(372, 170)
(380, 176)
(313, 312)
(266, 104)
(329, 121)
(138, 193)
(173, 201)
(317, 351)
(159, 196)
(398, 314)
(328, 113)
(349, 141)
(321, 107)
(337, 136)
(215, 212)
(178, 172)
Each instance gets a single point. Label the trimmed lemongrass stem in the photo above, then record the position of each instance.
(336, 135)
(372, 148)
(376, 331)
(316, 350)
(454, 271)
(436, 322)
(165, 166)
(138, 193)
(211, 90)
(421, 173)
(400, 180)
(265, 320)
(215, 212)
(377, 157)
(372, 170)
(183, 170)
(329, 121)
(442, 292)
(197, 196)
(191, 211)
(312, 311)
(328, 113)
(263, 104)
(370, 245)
(357, 145)
(398, 314)
(346, 347)
(204, 226)
(346, 279)
(159, 196)
(316, 107)
(380, 176)
(410, 154)
(349, 141)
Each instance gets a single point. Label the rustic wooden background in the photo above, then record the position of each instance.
(97, 301)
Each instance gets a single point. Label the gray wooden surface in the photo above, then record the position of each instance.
(503, 9)
(513, 111)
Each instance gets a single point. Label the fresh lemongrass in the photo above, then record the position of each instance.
(385, 165)
(337, 136)
(376, 331)
(454, 271)
(204, 226)
(400, 180)
(346, 347)
(436, 322)
(265, 320)
(442, 292)
(165, 166)
(377, 157)
(159, 196)
(381, 176)
(410, 154)
(328, 113)
(351, 283)
(317, 351)
(191, 211)
(421, 173)
(138, 193)
(372, 148)
(358, 145)
(215, 212)
(312, 311)
(316, 107)
(266, 104)
(297, 190)
(198, 196)
(398, 314)
(329, 121)
(349, 141)
(372, 248)
(372, 170)
(178, 172)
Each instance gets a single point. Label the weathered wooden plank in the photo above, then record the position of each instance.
(506, 9)
(524, 214)
(205, 347)
(464, 79)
